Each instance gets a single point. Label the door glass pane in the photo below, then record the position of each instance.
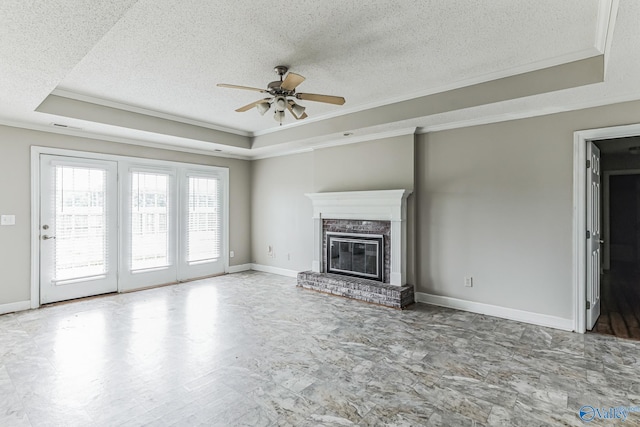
(81, 225)
(204, 227)
(149, 214)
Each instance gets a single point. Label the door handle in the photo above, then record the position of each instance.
(602, 242)
(45, 237)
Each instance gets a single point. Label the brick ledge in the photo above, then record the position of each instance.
(359, 289)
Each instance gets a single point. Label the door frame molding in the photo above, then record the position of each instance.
(579, 274)
(36, 151)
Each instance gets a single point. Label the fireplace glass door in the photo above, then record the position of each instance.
(355, 255)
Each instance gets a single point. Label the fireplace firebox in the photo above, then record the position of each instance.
(359, 255)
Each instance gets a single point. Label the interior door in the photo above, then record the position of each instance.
(593, 234)
(78, 228)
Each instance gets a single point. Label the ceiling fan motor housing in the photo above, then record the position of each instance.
(275, 86)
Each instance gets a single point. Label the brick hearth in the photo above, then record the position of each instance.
(356, 288)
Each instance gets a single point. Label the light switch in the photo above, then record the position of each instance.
(7, 220)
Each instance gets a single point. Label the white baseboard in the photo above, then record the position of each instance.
(274, 270)
(497, 311)
(239, 268)
(15, 306)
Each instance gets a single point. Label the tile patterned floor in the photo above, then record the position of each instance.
(253, 349)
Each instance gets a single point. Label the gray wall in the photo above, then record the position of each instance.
(495, 202)
(15, 191)
(281, 214)
(383, 164)
(492, 201)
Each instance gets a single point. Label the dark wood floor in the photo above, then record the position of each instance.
(620, 301)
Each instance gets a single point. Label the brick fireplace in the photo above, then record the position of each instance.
(361, 229)
(361, 213)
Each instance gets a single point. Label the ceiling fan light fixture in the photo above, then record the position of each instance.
(298, 110)
(278, 116)
(263, 107)
(280, 94)
(281, 104)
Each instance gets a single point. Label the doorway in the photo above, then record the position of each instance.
(619, 147)
(620, 285)
(78, 229)
(105, 223)
(583, 211)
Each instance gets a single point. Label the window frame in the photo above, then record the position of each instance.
(123, 163)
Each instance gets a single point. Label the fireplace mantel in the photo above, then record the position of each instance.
(382, 205)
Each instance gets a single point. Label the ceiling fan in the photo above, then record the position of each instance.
(282, 94)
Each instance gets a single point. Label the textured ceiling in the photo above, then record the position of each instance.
(41, 41)
(168, 55)
(165, 57)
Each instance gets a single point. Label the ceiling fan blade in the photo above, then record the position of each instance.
(291, 81)
(240, 87)
(253, 104)
(329, 99)
(303, 116)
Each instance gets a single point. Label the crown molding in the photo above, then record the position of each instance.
(153, 113)
(504, 117)
(80, 133)
(333, 142)
(605, 22)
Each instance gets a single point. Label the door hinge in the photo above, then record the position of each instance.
(588, 305)
(588, 164)
(588, 234)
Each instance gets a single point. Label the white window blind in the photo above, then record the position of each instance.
(204, 227)
(149, 220)
(81, 223)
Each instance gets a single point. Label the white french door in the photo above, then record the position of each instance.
(201, 225)
(149, 222)
(173, 223)
(78, 228)
(118, 224)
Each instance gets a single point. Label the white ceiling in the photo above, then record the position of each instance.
(165, 57)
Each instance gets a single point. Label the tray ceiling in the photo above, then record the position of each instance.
(164, 58)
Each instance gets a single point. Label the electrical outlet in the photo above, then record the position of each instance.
(270, 251)
(8, 220)
(468, 281)
(232, 254)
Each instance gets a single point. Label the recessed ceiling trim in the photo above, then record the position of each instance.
(130, 141)
(607, 13)
(332, 142)
(606, 39)
(120, 106)
(565, 76)
(527, 114)
(90, 112)
(534, 66)
(340, 140)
